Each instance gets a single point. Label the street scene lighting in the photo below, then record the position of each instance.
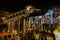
(30, 23)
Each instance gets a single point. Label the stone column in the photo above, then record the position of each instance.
(39, 24)
(9, 26)
(29, 24)
(24, 28)
(13, 25)
(18, 26)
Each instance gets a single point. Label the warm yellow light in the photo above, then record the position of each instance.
(3, 18)
(28, 8)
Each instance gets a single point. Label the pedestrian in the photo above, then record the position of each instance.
(57, 32)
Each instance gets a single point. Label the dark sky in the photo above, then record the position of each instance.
(17, 5)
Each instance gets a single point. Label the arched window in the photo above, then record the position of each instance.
(13, 15)
(10, 16)
(7, 17)
(17, 14)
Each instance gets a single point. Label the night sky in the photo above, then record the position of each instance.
(17, 5)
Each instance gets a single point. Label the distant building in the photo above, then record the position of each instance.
(57, 11)
(57, 14)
